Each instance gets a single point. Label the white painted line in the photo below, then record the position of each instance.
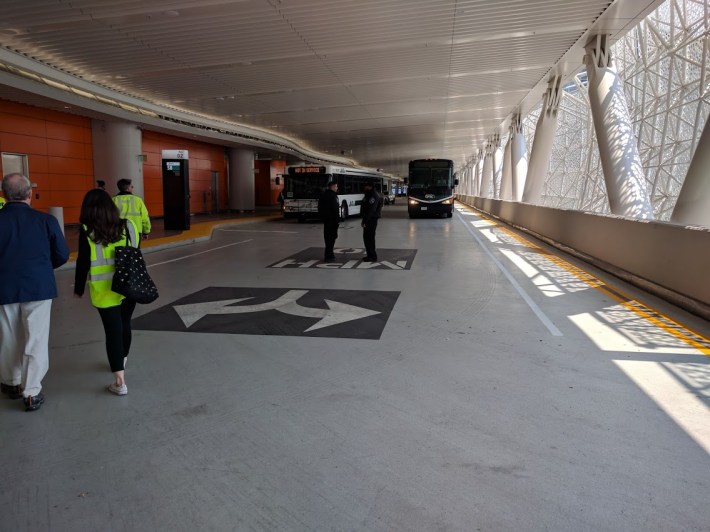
(554, 331)
(199, 253)
(255, 231)
(191, 255)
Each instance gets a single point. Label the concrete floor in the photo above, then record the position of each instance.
(505, 392)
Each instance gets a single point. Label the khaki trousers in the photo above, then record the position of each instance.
(24, 344)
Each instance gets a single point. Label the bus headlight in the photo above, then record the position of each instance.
(413, 202)
(446, 202)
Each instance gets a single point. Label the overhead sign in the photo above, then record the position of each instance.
(350, 259)
(175, 154)
(276, 311)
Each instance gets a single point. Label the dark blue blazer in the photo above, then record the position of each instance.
(31, 246)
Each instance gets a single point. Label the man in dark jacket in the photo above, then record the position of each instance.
(31, 246)
(371, 210)
(329, 210)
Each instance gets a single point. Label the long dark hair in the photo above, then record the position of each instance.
(101, 217)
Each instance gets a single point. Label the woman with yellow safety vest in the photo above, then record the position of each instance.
(101, 231)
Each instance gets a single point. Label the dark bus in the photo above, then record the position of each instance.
(431, 187)
(303, 186)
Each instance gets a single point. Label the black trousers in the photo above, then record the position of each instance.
(368, 237)
(330, 235)
(117, 326)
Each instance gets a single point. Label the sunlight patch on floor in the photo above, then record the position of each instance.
(675, 398)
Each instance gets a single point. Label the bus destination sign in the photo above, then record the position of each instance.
(307, 169)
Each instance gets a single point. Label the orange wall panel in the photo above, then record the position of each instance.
(277, 170)
(267, 191)
(14, 143)
(21, 125)
(65, 166)
(11, 108)
(64, 148)
(59, 152)
(204, 159)
(38, 164)
(66, 132)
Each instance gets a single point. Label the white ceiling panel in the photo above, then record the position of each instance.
(380, 81)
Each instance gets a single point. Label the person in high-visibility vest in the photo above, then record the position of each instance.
(101, 231)
(2, 202)
(131, 207)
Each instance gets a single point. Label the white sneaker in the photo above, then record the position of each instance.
(116, 389)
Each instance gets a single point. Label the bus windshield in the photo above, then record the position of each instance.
(430, 180)
(305, 186)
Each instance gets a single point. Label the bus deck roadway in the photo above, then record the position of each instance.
(472, 379)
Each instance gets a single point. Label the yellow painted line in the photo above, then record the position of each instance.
(656, 317)
(196, 231)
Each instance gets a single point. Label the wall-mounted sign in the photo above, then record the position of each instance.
(175, 154)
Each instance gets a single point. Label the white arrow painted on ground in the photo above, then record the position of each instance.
(335, 313)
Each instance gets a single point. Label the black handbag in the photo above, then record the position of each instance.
(131, 277)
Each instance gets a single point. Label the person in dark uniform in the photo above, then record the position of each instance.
(329, 210)
(371, 210)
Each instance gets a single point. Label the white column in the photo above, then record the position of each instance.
(693, 204)
(479, 172)
(497, 166)
(518, 157)
(487, 174)
(506, 184)
(542, 143)
(623, 174)
(474, 165)
(241, 180)
(117, 152)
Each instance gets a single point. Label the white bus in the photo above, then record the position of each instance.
(304, 184)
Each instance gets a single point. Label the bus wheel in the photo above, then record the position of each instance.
(344, 211)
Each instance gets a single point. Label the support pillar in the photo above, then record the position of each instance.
(623, 174)
(506, 183)
(693, 204)
(241, 180)
(497, 166)
(542, 142)
(463, 181)
(519, 158)
(117, 153)
(487, 174)
(479, 173)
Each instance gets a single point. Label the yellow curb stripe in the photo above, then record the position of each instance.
(656, 317)
(196, 231)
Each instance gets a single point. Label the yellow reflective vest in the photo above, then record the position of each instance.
(2, 202)
(132, 208)
(102, 269)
